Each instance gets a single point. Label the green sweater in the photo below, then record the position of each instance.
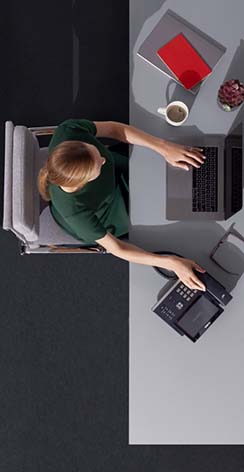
(99, 207)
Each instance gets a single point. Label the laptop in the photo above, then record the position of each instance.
(214, 191)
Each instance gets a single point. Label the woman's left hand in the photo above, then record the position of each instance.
(181, 156)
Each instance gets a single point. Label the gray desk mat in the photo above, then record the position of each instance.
(166, 29)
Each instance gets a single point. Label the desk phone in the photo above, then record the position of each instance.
(191, 312)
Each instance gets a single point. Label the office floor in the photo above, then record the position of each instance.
(64, 319)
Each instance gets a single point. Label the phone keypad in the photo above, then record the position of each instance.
(166, 312)
(185, 292)
(176, 303)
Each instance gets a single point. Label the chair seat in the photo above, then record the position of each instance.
(51, 233)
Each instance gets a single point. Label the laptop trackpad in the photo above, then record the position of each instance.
(179, 183)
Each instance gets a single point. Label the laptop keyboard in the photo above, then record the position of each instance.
(205, 182)
(236, 187)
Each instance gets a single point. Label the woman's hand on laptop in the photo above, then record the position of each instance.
(177, 155)
(181, 156)
(185, 271)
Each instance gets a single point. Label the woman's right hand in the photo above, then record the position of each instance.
(129, 252)
(184, 271)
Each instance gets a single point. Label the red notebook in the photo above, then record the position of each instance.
(184, 61)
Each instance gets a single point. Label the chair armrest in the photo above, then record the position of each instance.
(42, 130)
(89, 249)
(56, 249)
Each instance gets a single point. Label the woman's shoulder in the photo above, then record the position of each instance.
(82, 124)
(73, 129)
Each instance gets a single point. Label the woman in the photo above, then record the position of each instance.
(87, 186)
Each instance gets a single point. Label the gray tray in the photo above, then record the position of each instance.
(166, 29)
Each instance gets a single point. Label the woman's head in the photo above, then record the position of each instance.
(71, 164)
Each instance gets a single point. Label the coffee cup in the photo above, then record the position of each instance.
(176, 113)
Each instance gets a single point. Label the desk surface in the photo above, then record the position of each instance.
(180, 392)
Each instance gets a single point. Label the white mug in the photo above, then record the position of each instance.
(165, 111)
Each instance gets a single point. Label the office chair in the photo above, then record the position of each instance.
(25, 213)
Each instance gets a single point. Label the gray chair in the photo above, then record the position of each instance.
(25, 213)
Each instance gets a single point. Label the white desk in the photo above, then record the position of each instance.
(181, 392)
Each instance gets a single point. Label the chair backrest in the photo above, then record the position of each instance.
(21, 206)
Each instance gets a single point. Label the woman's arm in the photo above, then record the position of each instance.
(131, 253)
(175, 154)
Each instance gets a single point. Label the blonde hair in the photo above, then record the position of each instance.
(70, 164)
